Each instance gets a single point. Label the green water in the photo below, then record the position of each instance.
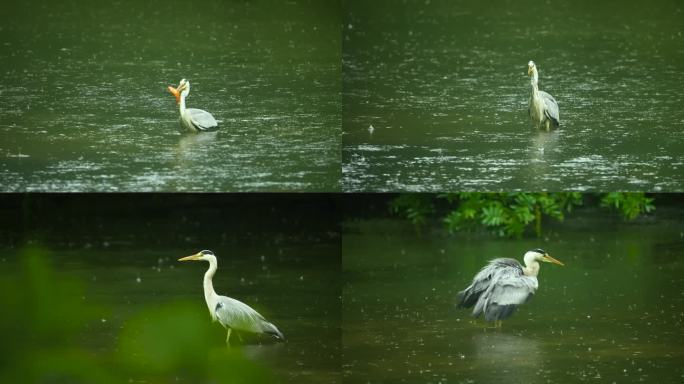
(612, 314)
(124, 256)
(85, 106)
(444, 85)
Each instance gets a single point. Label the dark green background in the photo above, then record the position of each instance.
(114, 301)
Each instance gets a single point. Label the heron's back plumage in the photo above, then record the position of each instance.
(202, 120)
(239, 316)
(551, 108)
(498, 289)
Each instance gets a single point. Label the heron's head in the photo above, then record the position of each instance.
(531, 68)
(541, 255)
(201, 255)
(182, 89)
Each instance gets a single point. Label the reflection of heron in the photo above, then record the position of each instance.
(190, 143)
(192, 119)
(543, 142)
(543, 107)
(231, 313)
(503, 284)
(500, 355)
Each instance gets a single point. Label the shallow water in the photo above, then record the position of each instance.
(612, 314)
(445, 89)
(125, 255)
(85, 106)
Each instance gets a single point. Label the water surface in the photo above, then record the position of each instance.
(612, 314)
(85, 106)
(444, 87)
(284, 264)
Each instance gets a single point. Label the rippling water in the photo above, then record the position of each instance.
(444, 86)
(613, 313)
(85, 106)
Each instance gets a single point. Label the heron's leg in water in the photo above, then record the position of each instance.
(548, 125)
(497, 324)
(485, 325)
(228, 337)
(239, 337)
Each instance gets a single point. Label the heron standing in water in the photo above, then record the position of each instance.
(503, 284)
(192, 119)
(231, 313)
(543, 107)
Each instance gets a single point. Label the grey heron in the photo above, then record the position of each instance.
(231, 313)
(192, 119)
(503, 284)
(543, 108)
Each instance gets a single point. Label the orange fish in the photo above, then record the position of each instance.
(175, 92)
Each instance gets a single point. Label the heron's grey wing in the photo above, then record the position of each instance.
(239, 316)
(481, 282)
(506, 294)
(501, 270)
(551, 107)
(203, 120)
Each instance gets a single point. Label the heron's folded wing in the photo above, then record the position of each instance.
(551, 106)
(469, 296)
(478, 293)
(505, 294)
(512, 291)
(203, 120)
(238, 315)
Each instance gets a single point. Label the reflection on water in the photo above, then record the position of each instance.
(612, 313)
(543, 154)
(193, 145)
(543, 145)
(85, 105)
(504, 355)
(446, 90)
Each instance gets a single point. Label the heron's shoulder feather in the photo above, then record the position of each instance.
(202, 119)
(551, 109)
(505, 262)
(237, 315)
(547, 96)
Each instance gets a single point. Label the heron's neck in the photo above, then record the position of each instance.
(531, 267)
(209, 292)
(534, 83)
(182, 110)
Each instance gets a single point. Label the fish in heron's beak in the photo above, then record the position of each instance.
(196, 256)
(547, 258)
(176, 93)
(529, 70)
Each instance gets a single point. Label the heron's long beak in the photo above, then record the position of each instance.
(196, 256)
(175, 92)
(550, 259)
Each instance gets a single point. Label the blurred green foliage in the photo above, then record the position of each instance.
(416, 207)
(510, 214)
(507, 214)
(46, 320)
(629, 205)
(42, 316)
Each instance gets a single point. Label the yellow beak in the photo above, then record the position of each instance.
(196, 256)
(550, 259)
